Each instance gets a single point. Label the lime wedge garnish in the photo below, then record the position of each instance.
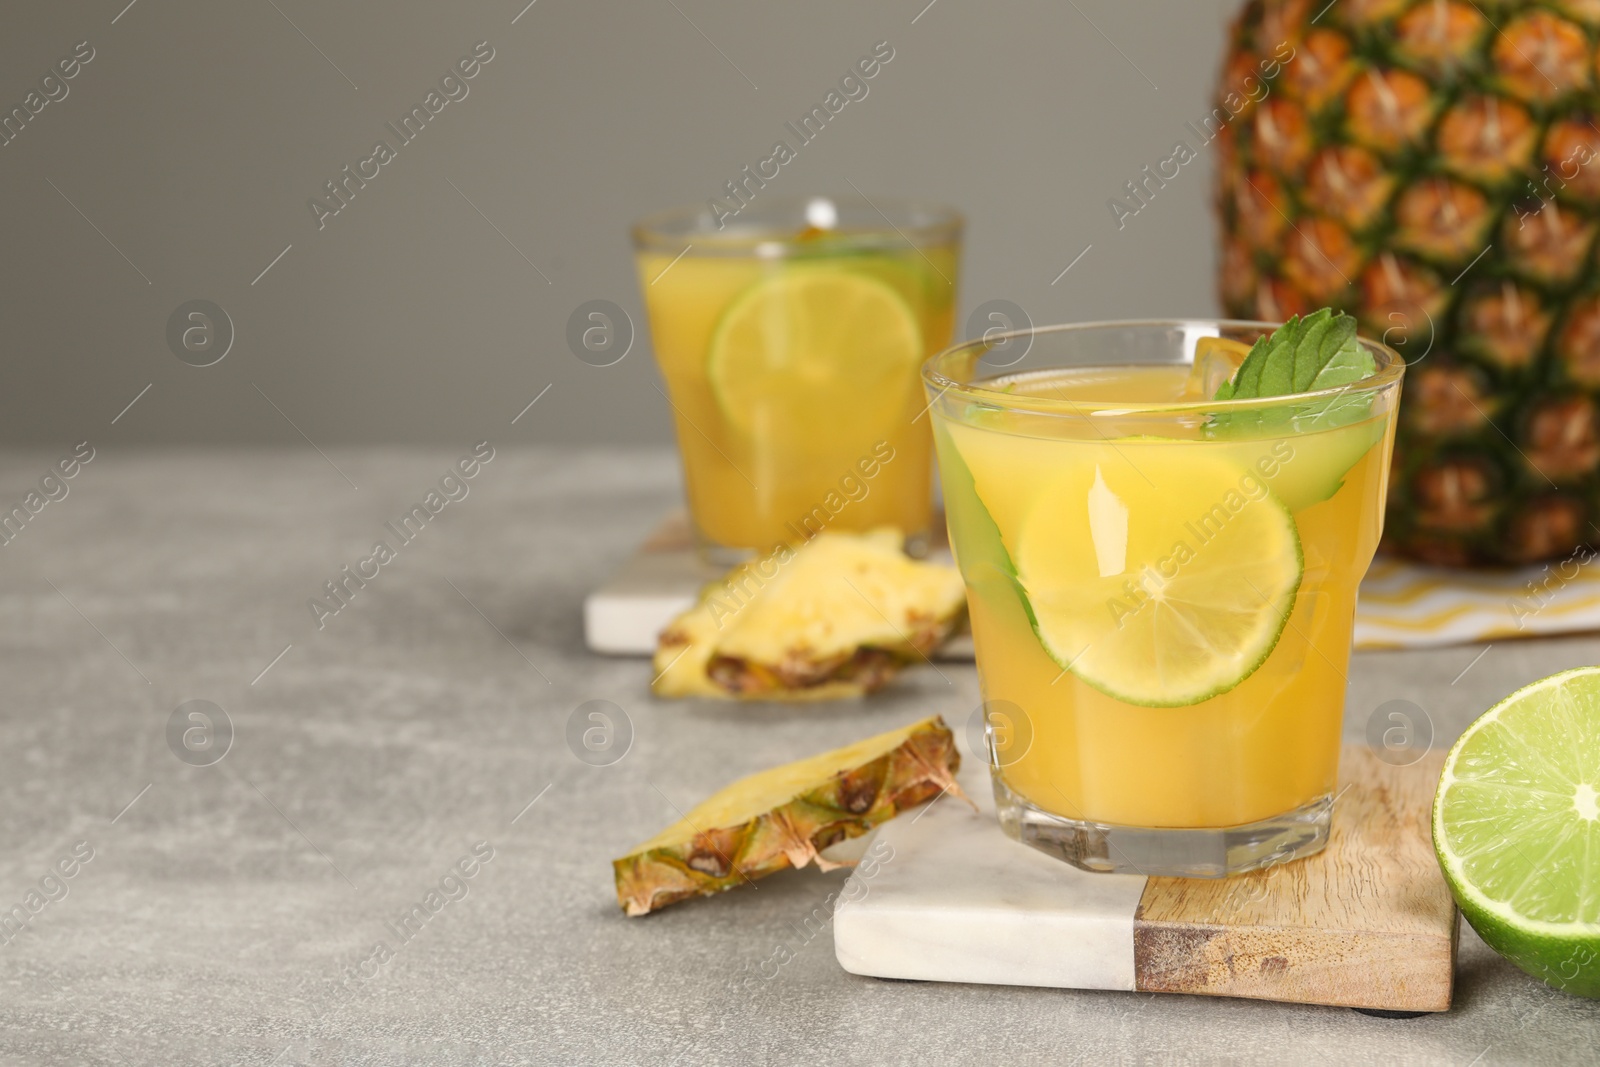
(811, 347)
(1161, 584)
(1516, 824)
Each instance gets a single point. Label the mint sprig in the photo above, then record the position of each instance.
(1319, 351)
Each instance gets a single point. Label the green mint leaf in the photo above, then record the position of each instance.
(1244, 382)
(1309, 353)
(1282, 351)
(1319, 351)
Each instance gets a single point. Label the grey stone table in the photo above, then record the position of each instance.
(232, 913)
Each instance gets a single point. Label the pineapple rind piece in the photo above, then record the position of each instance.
(839, 617)
(785, 816)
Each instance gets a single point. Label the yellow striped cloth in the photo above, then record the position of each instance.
(1407, 605)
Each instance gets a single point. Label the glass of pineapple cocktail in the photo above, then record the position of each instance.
(1162, 586)
(790, 338)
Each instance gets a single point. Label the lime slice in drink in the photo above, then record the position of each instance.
(1516, 823)
(811, 347)
(1316, 468)
(1161, 580)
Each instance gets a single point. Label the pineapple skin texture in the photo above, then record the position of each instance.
(1433, 168)
(845, 804)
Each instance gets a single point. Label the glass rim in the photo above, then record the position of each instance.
(1391, 367)
(671, 229)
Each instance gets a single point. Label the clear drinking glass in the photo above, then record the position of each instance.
(790, 338)
(1162, 587)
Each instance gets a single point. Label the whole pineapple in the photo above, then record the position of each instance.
(1433, 167)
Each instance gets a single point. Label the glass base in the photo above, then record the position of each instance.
(725, 557)
(722, 557)
(1205, 852)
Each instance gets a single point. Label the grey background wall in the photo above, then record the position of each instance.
(433, 307)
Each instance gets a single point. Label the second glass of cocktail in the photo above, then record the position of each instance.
(1162, 586)
(790, 338)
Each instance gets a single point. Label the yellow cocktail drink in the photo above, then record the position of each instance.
(1162, 592)
(790, 353)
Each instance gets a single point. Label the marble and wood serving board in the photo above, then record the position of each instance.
(1367, 923)
(662, 579)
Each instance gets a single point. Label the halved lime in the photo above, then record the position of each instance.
(1516, 824)
(1162, 581)
(810, 347)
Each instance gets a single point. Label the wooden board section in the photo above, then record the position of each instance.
(1367, 923)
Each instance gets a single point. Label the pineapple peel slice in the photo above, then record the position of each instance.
(784, 817)
(837, 617)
